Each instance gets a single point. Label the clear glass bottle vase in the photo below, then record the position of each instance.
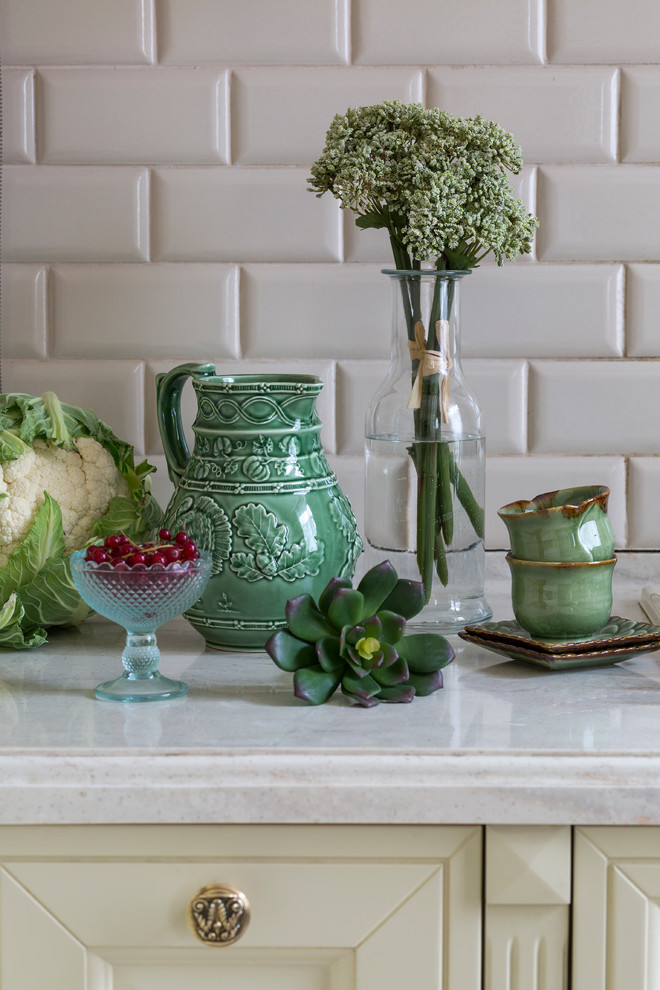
(425, 449)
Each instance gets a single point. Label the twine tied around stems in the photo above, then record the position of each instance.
(430, 363)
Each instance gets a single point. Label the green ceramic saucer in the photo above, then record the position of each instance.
(620, 639)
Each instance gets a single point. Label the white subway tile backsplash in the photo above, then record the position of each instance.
(603, 31)
(387, 31)
(501, 391)
(604, 213)
(640, 114)
(133, 115)
(356, 383)
(555, 114)
(643, 311)
(541, 311)
(227, 214)
(252, 32)
(281, 115)
(113, 389)
(23, 311)
(509, 479)
(18, 145)
(594, 407)
(325, 403)
(73, 32)
(643, 492)
(60, 213)
(144, 311)
(315, 311)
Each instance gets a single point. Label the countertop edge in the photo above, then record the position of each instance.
(319, 787)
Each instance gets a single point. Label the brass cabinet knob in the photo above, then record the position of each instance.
(218, 915)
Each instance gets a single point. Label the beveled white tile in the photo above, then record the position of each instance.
(113, 389)
(594, 407)
(500, 388)
(538, 310)
(509, 479)
(325, 403)
(643, 515)
(133, 115)
(555, 114)
(144, 311)
(60, 213)
(387, 31)
(315, 311)
(24, 313)
(77, 32)
(250, 32)
(356, 383)
(374, 245)
(256, 214)
(604, 213)
(603, 31)
(18, 145)
(281, 115)
(640, 114)
(642, 309)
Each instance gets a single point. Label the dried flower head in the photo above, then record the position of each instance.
(436, 182)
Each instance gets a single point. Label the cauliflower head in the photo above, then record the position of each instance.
(83, 481)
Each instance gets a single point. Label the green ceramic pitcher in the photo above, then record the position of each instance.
(257, 492)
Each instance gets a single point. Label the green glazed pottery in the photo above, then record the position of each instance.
(561, 601)
(258, 494)
(569, 525)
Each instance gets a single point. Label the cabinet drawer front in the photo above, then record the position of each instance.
(331, 907)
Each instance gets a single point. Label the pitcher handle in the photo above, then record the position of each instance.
(169, 386)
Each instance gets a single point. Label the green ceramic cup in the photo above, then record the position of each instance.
(561, 602)
(566, 525)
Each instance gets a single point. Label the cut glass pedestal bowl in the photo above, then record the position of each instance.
(140, 599)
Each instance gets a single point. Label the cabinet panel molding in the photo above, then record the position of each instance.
(616, 912)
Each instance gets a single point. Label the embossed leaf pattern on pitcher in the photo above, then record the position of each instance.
(271, 553)
(209, 527)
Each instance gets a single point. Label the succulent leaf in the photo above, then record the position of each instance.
(314, 684)
(362, 688)
(397, 693)
(305, 621)
(328, 593)
(373, 627)
(288, 652)
(346, 608)
(407, 598)
(328, 655)
(376, 586)
(425, 652)
(393, 626)
(426, 683)
(396, 673)
(390, 654)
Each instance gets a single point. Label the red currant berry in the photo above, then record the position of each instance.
(171, 554)
(120, 565)
(157, 558)
(112, 541)
(181, 538)
(101, 555)
(89, 553)
(164, 534)
(137, 558)
(189, 552)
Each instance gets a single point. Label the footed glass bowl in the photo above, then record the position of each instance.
(140, 599)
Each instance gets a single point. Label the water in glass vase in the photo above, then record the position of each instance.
(424, 509)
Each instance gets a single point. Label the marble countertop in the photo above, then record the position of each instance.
(503, 742)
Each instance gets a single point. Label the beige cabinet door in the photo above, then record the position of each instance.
(332, 907)
(616, 908)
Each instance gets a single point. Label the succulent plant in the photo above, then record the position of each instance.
(355, 638)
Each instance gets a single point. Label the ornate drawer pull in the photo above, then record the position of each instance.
(218, 915)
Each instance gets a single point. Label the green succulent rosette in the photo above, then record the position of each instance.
(355, 638)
